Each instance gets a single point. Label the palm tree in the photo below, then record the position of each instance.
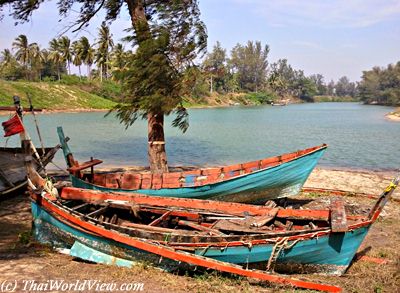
(21, 46)
(55, 55)
(77, 56)
(37, 58)
(87, 53)
(23, 51)
(105, 43)
(89, 60)
(118, 60)
(66, 52)
(6, 56)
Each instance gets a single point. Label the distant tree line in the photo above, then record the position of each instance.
(381, 85)
(248, 69)
(245, 69)
(30, 62)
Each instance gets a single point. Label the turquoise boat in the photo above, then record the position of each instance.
(119, 228)
(251, 182)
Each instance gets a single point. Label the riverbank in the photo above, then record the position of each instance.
(394, 116)
(21, 258)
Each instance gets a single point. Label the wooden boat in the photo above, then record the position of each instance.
(13, 170)
(251, 182)
(117, 228)
(12, 159)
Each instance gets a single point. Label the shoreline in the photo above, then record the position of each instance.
(393, 116)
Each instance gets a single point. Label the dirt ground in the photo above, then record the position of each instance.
(21, 259)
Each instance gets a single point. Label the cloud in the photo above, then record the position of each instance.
(333, 13)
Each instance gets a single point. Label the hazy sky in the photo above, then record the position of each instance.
(331, 37)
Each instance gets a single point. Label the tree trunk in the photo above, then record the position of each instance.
(156, 143)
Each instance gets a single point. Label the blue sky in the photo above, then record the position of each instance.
(331, 37)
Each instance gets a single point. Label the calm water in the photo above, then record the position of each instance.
(358, 135)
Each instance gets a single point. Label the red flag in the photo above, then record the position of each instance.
(13, 126)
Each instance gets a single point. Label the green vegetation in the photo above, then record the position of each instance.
(381, 85)
(53, 95)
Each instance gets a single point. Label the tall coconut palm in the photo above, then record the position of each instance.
(105, 44)
(87, 53)
(77, 56)
(118, 61)
(21, 45)
(37, 59)
(66, 51)
(23, 51)
(89, 60)
(55, 55)
(6, 56)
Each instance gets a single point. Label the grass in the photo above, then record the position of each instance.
(52, 96)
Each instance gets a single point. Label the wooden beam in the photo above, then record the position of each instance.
(201, 228)
(85, 165)
(338, 215)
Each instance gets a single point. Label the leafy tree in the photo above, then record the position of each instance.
(318, 80)
(216, 67)
(381, 85)
(250, 63)
(345, 88)
(9, 67)
(168, 34)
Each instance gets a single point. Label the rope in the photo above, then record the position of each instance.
(277, 249)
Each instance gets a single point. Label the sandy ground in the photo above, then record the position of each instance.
(22, 259)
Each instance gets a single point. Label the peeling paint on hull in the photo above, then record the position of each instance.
(330, 254)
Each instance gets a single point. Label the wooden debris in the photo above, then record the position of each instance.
(338, 215)
(263, 220)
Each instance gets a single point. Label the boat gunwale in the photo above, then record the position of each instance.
(73, 217)
(202, 185)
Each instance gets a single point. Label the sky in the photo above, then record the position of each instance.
(330, 37)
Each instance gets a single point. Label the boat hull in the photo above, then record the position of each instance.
(283, 180)
(13, 169)
(329, 254)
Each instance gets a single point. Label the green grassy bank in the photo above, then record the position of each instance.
(52, 96)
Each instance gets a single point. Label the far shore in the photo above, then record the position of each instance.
(394, 116)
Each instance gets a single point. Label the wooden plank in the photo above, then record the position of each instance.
(161, 218)
(263, 220)
(80, 206)
(201, 228)
(85, 165)
(5, 179)
(97, 212)
(338, 215)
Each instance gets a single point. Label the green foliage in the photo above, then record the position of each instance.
(169, 36)
(260, 98)
(381, 85)
(52, 96)
(250, 63)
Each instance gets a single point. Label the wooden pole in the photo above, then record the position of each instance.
(36, 123)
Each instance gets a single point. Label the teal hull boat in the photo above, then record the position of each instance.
(251, 182)
(119, 228)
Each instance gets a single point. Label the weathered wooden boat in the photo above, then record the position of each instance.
(251, 182)
(13, 170)
(116, 228)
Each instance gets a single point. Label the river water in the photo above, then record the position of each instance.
(359, 136)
